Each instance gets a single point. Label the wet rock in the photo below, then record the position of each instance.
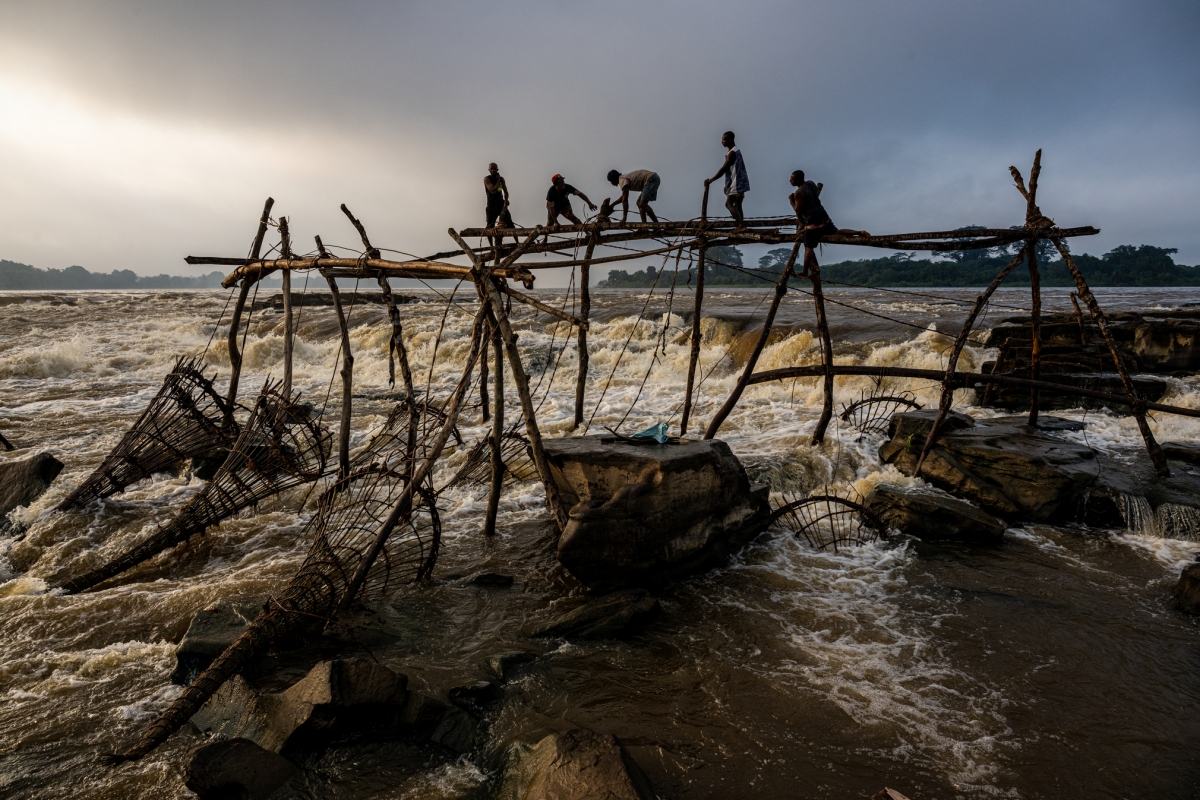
(573, 765)
(1187, 590)
(607, 617)
(205, 466)
(1001, 465)
(503, 665)
(1182, 451)
(478, 694)
(335, 696)
(212, 630)
(22, 482)
(641, 514)
(932, 515)
(236, 768)
(888, 794)
(457, 730)
(490, 579)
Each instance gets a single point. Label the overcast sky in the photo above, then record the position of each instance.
(135, 133)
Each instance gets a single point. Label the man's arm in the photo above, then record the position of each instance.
(550, 215)
(624, 202)
(724, 170)
(504, 187)
(584, 197)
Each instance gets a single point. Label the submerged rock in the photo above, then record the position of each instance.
(22, 482)
(212, 630)
(932, 514)
(1187, 590)
(501, 666)
(236, 768)
(1002, 465)
(644, 513)
(490, 579)
(576, 765)
(606, 617)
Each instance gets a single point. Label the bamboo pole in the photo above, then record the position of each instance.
(814, 273)
(347, 380)
(235, 322)
(490, 293)
(960, 380)
(286, 249)
(497, 438)
(947, 398)
(697, 314)
(1135, 402)
(585, 310)
(780, 290)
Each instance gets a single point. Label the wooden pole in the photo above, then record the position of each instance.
(484, 403)
(585, 310)
(780, 291)
(697, 314)
(814, 273)
(490, 293)
(497, 438)
(286, 248)
(947, 380)
(347, 380)
(1083, 338)
(235, 322)
(1135, 401)
(1035, 355)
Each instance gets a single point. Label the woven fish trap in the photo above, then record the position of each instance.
(871, 414)
(281, 446)
(515, 453)
(186, 419)
(829, 522)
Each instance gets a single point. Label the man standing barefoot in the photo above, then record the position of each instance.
(737, 182)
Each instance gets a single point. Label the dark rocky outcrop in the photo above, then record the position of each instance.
(575, 765)
(1187, 591)
(212, 630)
(236, 768)
(613, 615)
(22, 482)
(932, 515)
(502, 666)
(1001, 465)
(641, 514)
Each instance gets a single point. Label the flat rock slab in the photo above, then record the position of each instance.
(1187, 591)
(236, 768)
(575, 765)
(932, 514)
(22, 482)
(1002, 465)
(643, 514)
(212, 629)
(607, 617)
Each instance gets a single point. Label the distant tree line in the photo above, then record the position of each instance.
(15, 276)
(1126, 265)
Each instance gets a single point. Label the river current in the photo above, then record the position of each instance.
(1052, 665)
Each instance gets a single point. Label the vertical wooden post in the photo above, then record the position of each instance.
(286, 248)
(497, 438)
(1136, 403)
(347, 380)
(1083, 339)
(814, 273)
(490, 294)
(585, 309)
(1035, 355)
(780, 291)
(697, 314)
(952, 364)
(235, 322)
(484, 403)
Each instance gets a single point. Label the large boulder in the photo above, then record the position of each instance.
(932, 514)
(1187, 591)
(22, 482)
(1002, 465)
(644, 513)
(236, 768)
(575, 765)
(607, 617)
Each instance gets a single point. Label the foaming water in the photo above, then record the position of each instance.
(945, 671)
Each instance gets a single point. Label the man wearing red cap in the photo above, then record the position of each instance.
(558, 202)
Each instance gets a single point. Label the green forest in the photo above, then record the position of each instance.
(1144, 265)
(22, 276)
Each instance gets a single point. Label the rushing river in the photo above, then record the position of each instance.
(1053, 665)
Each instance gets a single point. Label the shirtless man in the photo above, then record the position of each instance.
(497, 201)
(558, 202)
(812, 218)
(639, 180)
(737, 182)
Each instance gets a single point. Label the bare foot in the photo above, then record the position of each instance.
(803, 276)
(863, 233)
(741, 229)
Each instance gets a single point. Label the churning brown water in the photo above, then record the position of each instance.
(1052, 665)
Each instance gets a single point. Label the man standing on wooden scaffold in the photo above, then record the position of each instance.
(737, 182)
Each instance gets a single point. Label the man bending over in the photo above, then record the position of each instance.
(639, 180)
(813, 220)
(558, 202)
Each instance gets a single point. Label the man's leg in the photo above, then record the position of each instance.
(644, 209)
(810, 258)
(734, 204)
